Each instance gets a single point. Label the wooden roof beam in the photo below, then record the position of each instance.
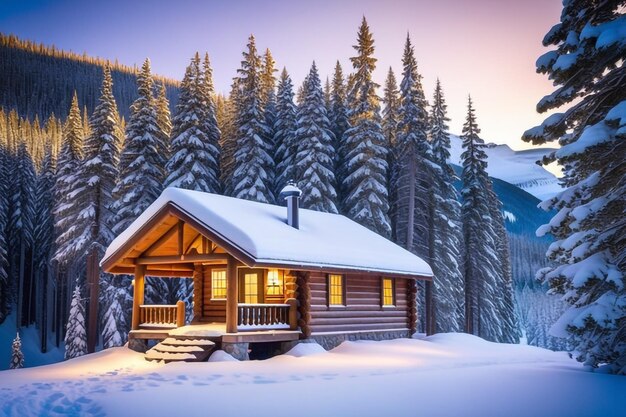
(176, 259)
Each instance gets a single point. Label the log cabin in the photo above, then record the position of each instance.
(264, 274)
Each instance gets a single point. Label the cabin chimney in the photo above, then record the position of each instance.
(291, 193)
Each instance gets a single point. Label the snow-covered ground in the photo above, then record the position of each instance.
(442, 375)
(515, 167)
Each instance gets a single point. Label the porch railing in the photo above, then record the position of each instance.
(268, 315)
(158, 315)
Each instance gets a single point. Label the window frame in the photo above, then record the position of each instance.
(382, 292)
(329, 290)
(213, 297)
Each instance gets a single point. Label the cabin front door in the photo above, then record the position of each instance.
(251, 286)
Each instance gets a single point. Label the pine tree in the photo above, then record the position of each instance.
(339, 124)
(228, 139)
(284, 133)
(589, 227)
(113, 315)
(163, 121)
(391, 118)
(445, 231)
(252, 175)
(412, 172)
(17, 357)
(314, 168)
(366, 199)
(75, 335)
(85, 120)
(481, 264)
(210, 120)
(44, 237)
(21, 221)
(97, 174)
(141, 165)
(504, 285)
(328, 93)
(195, 148)
(5, 299)
(391, 111)
(65, 209)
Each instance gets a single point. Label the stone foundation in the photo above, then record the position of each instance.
(138, 345)
(238, 351)
(331, 340)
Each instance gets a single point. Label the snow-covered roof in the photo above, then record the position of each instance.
(324, 240)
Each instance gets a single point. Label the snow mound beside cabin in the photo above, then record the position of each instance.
(305, 349)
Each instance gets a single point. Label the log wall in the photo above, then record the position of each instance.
(212, 310)
(362, 310)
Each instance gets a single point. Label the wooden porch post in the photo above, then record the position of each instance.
(138, 289)
(232, 295)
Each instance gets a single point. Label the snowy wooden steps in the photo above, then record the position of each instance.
(174, 349)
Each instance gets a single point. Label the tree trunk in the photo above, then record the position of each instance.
(93, 281)
(20, 284)
(410, 221)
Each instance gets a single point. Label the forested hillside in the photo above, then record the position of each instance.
(38, 80)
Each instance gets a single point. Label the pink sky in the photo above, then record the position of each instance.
(486, 48)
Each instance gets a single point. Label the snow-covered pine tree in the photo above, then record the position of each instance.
(113, 318)
(445, 231)
(391, 110)
(328, 96)
(97, 174)
(85, 120)
(75, 335)
(195, 153)
(17, 357)
(314, 168)
(5, 299)
(587, 65)
(365, 182)
(268, 89)
(65, 209)
(284, 133)
(23, 178)
(210, 118)
(93, 193)
(412, 170)
(339, 123)
(141, 165)
(44, 238)
(228, 140)
(481, 264)
(252, 175)
(163, 120)
(391, 118)
(509, 329)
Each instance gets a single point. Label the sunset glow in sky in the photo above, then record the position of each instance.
(486, 48)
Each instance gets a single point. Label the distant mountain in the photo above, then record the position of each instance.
(40, 80)
(515, 167)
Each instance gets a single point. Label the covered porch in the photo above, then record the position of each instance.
(232, 300)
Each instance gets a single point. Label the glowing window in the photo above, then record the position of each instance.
(218, 283)
(251, 288)
(274, 282)
(335, 290)
(388, 292)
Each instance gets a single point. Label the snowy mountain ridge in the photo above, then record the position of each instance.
(515, 167)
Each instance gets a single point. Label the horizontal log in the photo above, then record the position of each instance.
(357, 327)
(358, 321)
(358, 313)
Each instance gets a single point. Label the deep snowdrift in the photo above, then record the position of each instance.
(442, 375)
